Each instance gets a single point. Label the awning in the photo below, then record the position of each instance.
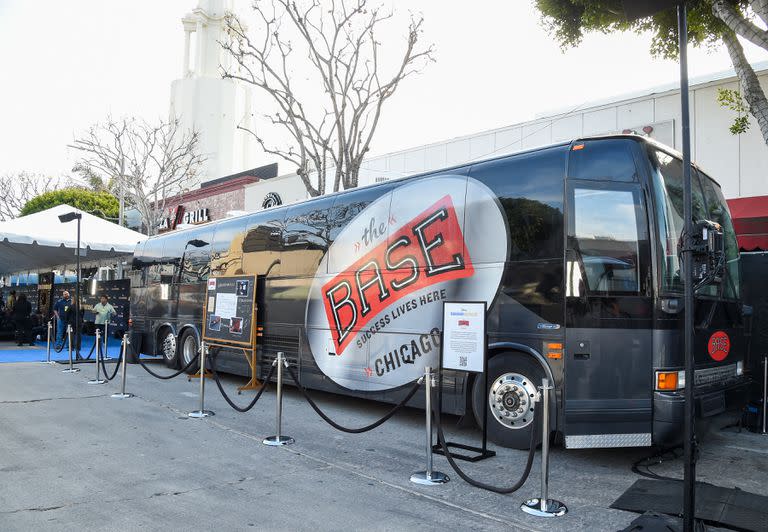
(750, 221)
(40, 241)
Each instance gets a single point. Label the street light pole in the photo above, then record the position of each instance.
(689, 436)
(65, 218)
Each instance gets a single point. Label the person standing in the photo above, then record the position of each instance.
(20, 314)
(104, 312)
(60, 310)
(11, 301)
(70, 318)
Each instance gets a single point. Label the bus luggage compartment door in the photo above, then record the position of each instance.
(608, 395)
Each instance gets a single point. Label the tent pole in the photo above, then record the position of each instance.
(77, 293)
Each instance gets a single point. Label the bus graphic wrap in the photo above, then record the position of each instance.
(373, 312)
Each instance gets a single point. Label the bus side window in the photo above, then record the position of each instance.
(603, 160)
(305, 237)
(530, 192)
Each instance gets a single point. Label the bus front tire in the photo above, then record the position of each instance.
(513, 379)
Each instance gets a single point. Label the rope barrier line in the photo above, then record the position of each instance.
(92, 348)
(226, 397)
(104, 366)
(165, 377)
(360, 430)
(504, 491)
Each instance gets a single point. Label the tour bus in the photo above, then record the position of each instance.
(574, 247)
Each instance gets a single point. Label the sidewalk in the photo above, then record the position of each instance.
(75, 459)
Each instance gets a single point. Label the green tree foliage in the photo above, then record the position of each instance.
(569, 20)
(101, 204)
(711, 23)
(731, 99)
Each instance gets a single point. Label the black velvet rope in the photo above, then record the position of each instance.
(360, 430)
(226, 397)
(511, 489)
(172, 375)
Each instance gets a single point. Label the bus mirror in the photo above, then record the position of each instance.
(136, 264)
(708, 253)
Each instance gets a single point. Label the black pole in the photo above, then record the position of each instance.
(689, 441)
(77, 293)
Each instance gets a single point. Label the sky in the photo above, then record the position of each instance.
(67, 65)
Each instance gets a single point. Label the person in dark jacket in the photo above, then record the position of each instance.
(69, 318)
(20, 314)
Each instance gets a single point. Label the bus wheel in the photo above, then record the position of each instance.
(189, 350)
(512, 382)
(168, 348)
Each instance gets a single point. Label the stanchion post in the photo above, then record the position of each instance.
(106, 356)
(48, 344)
(429, 477)
(765, 393)
(544, 506)
(124, 347)
(278, 438)
(202, 412)
(70, 369)
(98, 379)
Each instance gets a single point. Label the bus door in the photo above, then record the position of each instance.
(608, 353)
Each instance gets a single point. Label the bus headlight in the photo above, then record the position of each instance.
(670, 380)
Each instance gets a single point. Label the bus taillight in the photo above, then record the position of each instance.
(670, 380)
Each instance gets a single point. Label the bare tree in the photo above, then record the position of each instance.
(331, 125)
(149, 163)
(20, 187)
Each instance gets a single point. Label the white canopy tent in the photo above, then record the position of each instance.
(41, 242)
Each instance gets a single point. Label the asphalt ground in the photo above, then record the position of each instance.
(72, 458)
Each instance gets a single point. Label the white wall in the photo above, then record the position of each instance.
(738, 162)
(288, 187)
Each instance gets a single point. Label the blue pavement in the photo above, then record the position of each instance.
(10, 352)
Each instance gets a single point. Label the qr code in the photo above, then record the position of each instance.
(463, 362)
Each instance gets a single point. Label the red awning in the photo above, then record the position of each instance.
(750, 221)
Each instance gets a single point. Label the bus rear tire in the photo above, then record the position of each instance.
(513, 379)
(188, 349)
(169, 349)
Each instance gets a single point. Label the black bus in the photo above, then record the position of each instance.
(574, 247)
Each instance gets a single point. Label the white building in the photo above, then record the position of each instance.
(201, 99)
(738, 162)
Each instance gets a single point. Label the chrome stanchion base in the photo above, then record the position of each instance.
(274, 441)
(553, 508)
(51, 362)
(435, 478)
(97, 381)
(121, 395)
(73, 370)
(197, 414)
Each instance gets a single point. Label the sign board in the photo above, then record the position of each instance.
(464, 336)
(230, 310)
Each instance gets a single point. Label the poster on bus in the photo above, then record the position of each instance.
(230, 310)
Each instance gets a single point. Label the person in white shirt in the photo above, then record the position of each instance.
(104, 313)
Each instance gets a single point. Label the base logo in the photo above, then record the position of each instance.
(719, 346)
(375, 305)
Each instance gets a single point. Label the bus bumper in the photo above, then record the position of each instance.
(669, 413)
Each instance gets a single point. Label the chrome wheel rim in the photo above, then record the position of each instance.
(169, 346)
(510, 399)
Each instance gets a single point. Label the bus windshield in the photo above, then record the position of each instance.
(708, 204)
